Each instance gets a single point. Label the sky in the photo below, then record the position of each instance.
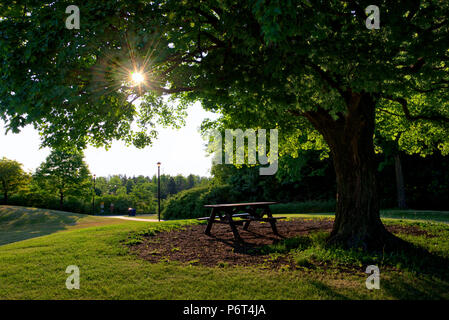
(180, 151)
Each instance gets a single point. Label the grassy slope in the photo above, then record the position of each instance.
(20, 223)
(35, 269)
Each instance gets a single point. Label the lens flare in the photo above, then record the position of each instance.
(137, 78)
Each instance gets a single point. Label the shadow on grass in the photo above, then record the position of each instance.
(19, 223)
(326, 291)
(414, 288)
(312, 250)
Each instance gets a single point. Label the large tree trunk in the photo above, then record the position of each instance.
(350, 138)
(400, 187)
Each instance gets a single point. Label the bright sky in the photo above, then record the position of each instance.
(180, 151)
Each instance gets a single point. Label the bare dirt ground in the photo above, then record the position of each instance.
(190, 244)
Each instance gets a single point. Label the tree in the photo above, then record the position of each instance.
(114, 184)
(190, 181)
(392, 154)
(143, 195)
(129, 185)
(180, 182)
(12, 177)
(310, 68)
(171, 186)
(65, 173)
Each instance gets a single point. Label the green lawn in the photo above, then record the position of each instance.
(420, 215)
(20, 223)
(438, 216)
(35, 269)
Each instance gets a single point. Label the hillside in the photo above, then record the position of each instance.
(20, 223)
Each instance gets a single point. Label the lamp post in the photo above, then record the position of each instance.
(159, 191)
(93, 198)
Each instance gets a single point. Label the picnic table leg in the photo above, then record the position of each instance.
(246, 225)
(272, 222)
(232, 225)
(210, 222)
(220, 215)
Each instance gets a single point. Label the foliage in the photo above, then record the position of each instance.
(311, 52)
(190, 203)
(64, 173)
(12, 177)
(300, 179)
(312, 206)
(62, 82)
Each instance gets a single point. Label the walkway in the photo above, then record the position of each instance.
(131, 218)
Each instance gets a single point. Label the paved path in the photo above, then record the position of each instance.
(131, 218)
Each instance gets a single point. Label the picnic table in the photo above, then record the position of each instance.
(253, 211)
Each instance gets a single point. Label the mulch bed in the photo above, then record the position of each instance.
(190, 245)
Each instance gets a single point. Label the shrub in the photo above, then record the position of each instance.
(48, 201)
(80, 205)
(190, 203)
(121, 204)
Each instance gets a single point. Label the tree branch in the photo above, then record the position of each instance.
(212, 38)
(403, 102)
(176, 90)
(389, 112)
(296, 113)
(325, 75)
(209, 17)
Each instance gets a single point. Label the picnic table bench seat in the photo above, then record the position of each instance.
(234, 215)
(246, 216)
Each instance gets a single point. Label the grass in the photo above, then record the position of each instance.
(312, 251)
(438, 216)
(326, 208)
(35, 268)
(386, 215)
(20, 223)
(145, 216)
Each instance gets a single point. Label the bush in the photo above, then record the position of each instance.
(80, 205)
(190, 203)
(121, 204)
(76, 205)
(47, 201)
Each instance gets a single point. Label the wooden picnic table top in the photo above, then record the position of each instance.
(225, 205)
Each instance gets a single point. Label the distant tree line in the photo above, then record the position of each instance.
(63, 181)
(404, 181)
(307, 184)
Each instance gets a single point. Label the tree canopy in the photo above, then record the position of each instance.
(256, 61)
(12, 177)
(64, 173)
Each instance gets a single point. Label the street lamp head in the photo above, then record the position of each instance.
(158, 164)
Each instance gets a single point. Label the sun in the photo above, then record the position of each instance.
(137, 78)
